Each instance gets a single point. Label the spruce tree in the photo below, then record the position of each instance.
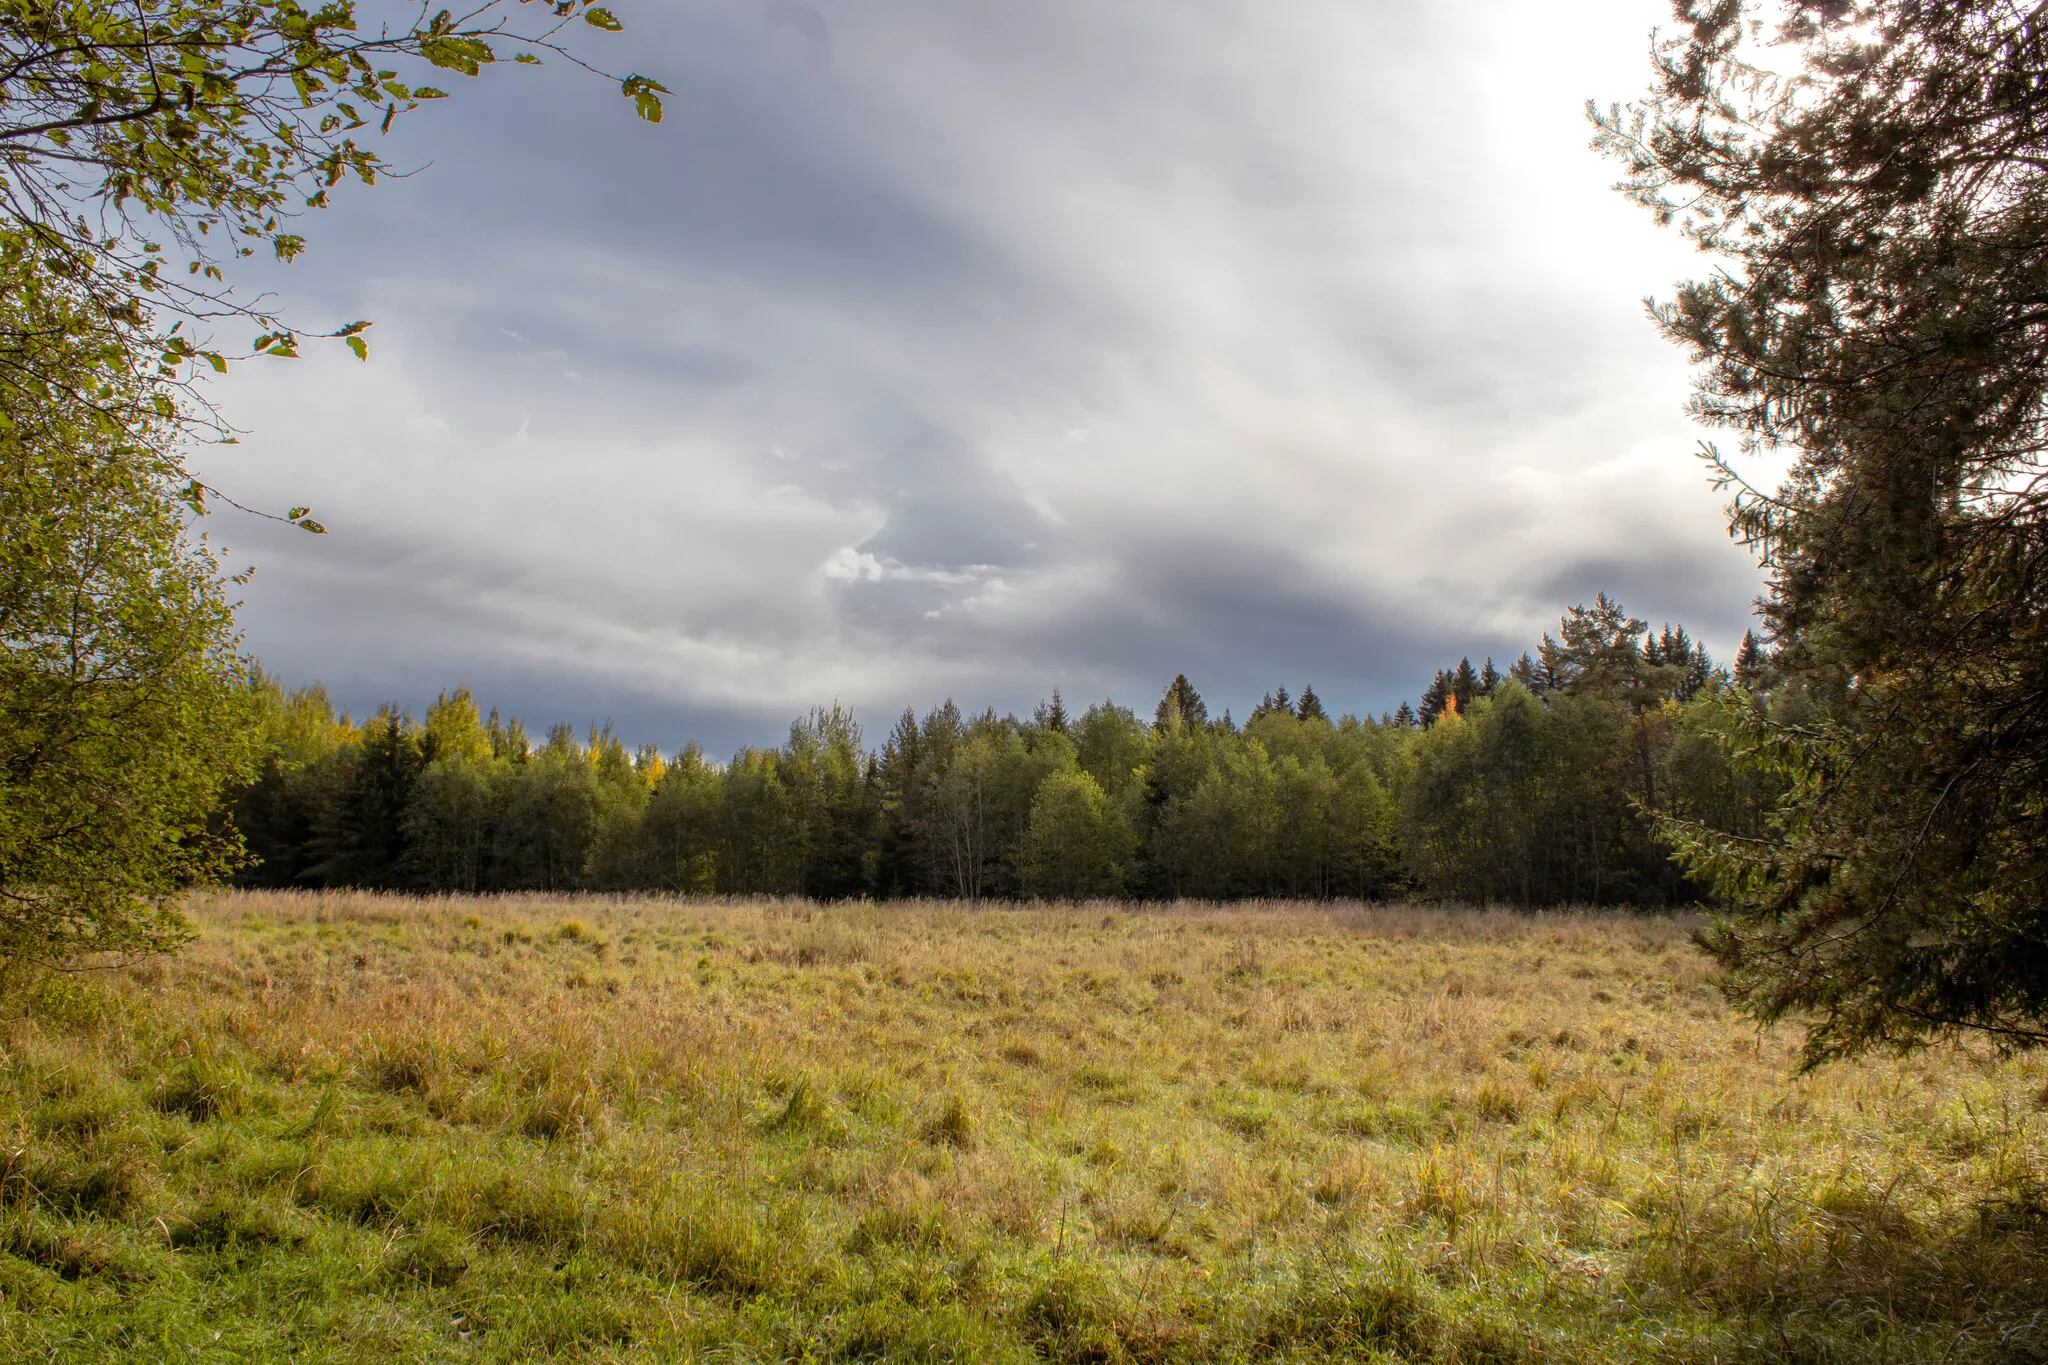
(1434, 696)
(1310, 707)
(1673, 646)
(1464, 683)
(1181, 707)
(1489, 678)
(1750, 661)
(1699, 672)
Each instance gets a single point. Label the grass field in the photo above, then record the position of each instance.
(348, 1127)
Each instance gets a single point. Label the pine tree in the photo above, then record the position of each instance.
(1051, 717)
(1404, 716)
(1310, 707)
(1596, 649)
(1489, 678)
(1525, 672)
(1880, 223)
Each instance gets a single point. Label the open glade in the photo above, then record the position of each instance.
(349, 1127)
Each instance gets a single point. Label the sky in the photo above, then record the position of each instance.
(955, 348)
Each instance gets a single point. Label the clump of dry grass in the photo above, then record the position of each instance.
(657, 1129)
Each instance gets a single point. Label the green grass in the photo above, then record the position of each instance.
(363, 1128)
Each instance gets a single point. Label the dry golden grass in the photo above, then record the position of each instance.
(651, 1130)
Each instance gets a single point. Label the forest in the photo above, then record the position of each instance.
(1539, 786)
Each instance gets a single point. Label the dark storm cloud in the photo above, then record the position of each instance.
(1239, 621)
(971, 349)
(1664, 585)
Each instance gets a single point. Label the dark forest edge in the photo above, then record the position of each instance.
(1541, 786)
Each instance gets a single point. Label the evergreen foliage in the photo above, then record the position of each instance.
(1435, 697)
(1752, 664)
(1182, 707)
(1464, 683)
(1880, 219)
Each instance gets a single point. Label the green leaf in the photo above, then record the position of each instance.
(360, 347)
(645, 92)
(308, 524)
(296, 513)
(597, 16)
(528, 59)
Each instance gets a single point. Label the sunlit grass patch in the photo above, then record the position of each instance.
(521, 1128)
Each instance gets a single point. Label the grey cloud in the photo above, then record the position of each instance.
(808, 24)
(971, 348)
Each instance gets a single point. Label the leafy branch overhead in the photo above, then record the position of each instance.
(145, 145)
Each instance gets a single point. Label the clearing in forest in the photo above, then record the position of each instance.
(357, 1127)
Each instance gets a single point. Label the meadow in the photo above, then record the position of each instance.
(350, 1127)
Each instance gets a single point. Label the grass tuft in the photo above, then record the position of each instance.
(436, 1257)
(954, 1125)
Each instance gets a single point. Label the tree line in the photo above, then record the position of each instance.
(1537, 786)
